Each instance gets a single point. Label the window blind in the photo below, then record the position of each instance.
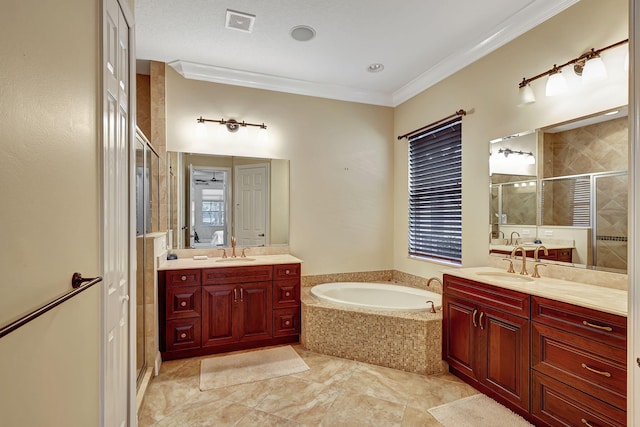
(435, 193)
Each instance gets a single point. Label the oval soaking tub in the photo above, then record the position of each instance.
(377, 296)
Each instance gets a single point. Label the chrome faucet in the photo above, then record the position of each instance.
(523, 271)
(511, 240)
(233, 247)
(535, 253)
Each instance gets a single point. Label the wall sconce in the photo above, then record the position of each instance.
(589, 66)
(231, 124)
(531, 160)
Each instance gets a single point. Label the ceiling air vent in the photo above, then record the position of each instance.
(240, 21)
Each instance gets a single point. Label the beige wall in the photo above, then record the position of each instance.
(488, 90)
(49, 187)
(341, 169)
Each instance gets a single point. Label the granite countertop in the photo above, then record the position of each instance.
(218, 262)
(599, 298)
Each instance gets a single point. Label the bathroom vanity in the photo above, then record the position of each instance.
(553, 351)
(219, 305)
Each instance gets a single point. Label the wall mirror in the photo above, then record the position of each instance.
(565, 187)
(215, 197)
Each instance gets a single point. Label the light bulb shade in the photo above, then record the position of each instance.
(531, 160)
(594, 70)
(525, 95)
(556, 84)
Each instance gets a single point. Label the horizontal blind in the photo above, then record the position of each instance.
(435, 193)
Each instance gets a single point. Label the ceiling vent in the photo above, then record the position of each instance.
(240, 21)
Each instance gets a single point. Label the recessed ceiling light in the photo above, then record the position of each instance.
(375, 68)
(303, 33)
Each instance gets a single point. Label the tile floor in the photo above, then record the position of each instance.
(333, 392)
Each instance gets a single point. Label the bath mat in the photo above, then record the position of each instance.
(241, 368)
(477, 410)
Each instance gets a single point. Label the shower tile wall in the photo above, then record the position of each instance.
(601, 147)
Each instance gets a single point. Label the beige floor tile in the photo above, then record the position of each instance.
(416, 418)
(262, 419)
(351, 410)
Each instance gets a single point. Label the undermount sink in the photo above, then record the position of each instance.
(511, 277)
(235, 260)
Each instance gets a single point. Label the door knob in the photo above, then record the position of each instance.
(124, 298)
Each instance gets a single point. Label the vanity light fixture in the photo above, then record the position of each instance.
(531, 160)
(231, 124)
(589, 66)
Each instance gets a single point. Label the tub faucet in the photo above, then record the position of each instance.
(433, 308)
(523, 271)
(511, 240)
(233, 247)
(434, 279)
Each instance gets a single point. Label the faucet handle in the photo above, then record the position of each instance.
(224, 252)
(510, 270)
(244, 255)
(536, 273)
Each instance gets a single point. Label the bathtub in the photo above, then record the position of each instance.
(377, 296)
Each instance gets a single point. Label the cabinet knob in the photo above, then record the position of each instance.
(286, 271)
(183, 304)
(183, 335)
(183, 278)
(286, 294)
(287, 322)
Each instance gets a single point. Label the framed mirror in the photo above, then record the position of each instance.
(571, 198)
(215, 197)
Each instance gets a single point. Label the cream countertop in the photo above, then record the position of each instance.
(530, 246)
(599, 298)
(218, 262)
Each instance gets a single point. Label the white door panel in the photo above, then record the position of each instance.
(252, 205)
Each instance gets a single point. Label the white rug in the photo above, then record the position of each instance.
(477, 411)
(241, 368)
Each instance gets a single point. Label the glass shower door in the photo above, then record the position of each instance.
(610, 221)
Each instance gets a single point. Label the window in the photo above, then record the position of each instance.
(435, 193)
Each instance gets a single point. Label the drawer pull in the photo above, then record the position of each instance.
(585, 422)
(595, 371)
(183, 278)
(480, 321)
(183, 335)
(183, 304)
(475, 322)
(286, 271)
(604, 328)
(286, 294)
(287, 323)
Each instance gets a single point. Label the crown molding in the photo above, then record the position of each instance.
(534, 14)
(229, 76)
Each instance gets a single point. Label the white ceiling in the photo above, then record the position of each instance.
(420, 42)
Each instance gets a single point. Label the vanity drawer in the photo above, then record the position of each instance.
(242, 274)
(604, 327)
(557, 404)
(183, 302)
(590, 366)
(286, 293)
(183, 277)
(286, 321)
(501, 299)
(286, 271)
(183, 334)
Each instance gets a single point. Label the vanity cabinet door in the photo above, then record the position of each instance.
(286, 293)
(255, 311)
(459, 336)
(504, 363)
(218, 312)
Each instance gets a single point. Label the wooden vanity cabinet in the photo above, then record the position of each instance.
(486, 339)
(214, 310)
(578, 365)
